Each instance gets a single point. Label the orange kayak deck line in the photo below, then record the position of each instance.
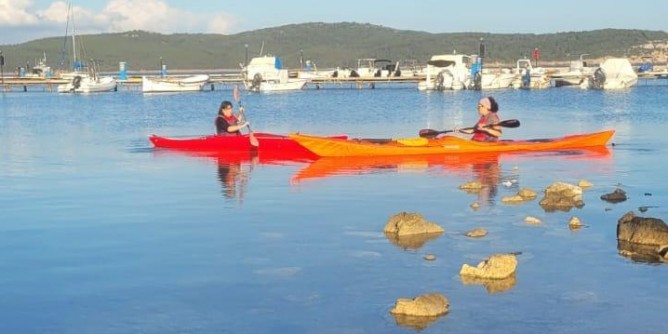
(339, 147)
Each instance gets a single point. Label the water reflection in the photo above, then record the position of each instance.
(414, 322)
(649, 254)
(487, 171)
(233, 177)
(493, 286)
(333, 166)
(411, 242)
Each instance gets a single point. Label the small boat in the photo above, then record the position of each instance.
(448, 72)
(88, 84)
(613, 74)
(529, 77)
(266, 74)
(338, 147)
(576, 74)
(501, 79)
(269, 145)
(174, 84)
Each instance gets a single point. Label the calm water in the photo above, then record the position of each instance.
(101, 234)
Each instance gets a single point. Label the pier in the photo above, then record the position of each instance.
(219, 79)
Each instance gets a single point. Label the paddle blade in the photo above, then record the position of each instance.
(253, 141)
(509, 123)
(431, 133)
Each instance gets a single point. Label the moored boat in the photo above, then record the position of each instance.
(89, 84)
(174, 84)
(338, 147)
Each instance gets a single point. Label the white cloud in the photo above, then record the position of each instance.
(26, 22)
(16, 13)
(158, 16)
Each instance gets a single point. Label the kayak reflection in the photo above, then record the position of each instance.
(484, 168)
(234, 168)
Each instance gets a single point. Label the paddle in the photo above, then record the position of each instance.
(251, 137)
(430, 133)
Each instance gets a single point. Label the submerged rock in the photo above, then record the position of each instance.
(575, 223)
(429, 257)
(532, 220)
(640, 230)
(473, 186)
(427, 305)
(514, 199)
(411, 230)
(617, 196)
(477, 232)
(404, 223)
(562, 196)
(527, 193)
(498, 266)
(584, 184)
(642, 239)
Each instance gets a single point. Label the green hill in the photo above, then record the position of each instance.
(327, 44)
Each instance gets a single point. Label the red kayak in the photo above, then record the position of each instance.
(269, 144)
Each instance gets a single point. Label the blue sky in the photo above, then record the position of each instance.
(23, 20)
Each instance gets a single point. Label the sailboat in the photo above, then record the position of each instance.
(81, 81)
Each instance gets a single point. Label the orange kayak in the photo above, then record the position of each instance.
(339, 147)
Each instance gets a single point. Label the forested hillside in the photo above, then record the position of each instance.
(328, 45)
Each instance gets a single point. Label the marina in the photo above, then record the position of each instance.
(220, 79)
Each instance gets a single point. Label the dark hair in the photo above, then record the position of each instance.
(493, 104)
(224, 105)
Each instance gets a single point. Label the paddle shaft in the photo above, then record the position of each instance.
(430, 133)
(251, 137)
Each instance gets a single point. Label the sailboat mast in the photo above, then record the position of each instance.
(74, 42)
(63, 51)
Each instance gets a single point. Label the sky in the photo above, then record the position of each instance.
(25, 20)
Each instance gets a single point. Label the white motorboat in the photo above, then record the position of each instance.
(173, 84)
(88, 84)
(576, 74)
(448, 72)
(370, 68)
(40, 69)
(499, 80)
(613, 74)
(266, 73)
(528, 77)
(310, 72)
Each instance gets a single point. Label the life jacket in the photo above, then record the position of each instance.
(481, 135)
(232, 120)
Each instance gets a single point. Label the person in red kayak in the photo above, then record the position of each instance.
(227, 123)
(484, 130)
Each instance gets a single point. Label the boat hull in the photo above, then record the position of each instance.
(269, 144)
(87, 84)
(335, 147)
(165, 85)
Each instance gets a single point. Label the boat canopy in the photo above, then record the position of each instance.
(618, 68)
(441, 63)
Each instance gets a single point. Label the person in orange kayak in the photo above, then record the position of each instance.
(484, 130)
(227, 123)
